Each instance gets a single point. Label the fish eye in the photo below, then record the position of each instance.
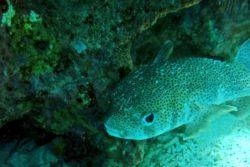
(148, 119)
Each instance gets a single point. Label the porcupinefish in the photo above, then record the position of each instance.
(171, 92)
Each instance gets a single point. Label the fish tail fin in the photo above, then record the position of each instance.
(243, 54)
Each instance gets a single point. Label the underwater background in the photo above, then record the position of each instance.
(60, 61)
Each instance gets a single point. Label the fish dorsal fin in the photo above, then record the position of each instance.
(243, 54)
(165, 52)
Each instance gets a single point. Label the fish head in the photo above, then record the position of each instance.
(130, 123)
(139, 112)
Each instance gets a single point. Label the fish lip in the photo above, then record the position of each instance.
(115, 133)
(121, 134)
(112, 131)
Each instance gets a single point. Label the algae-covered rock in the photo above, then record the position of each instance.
(62, 81)
(27, 153)
(34, 44)
(13, 104)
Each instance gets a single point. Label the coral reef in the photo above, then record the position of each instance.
(59, 60)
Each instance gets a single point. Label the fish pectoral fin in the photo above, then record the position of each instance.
(243, 105)
(165, 52)
(204, 117)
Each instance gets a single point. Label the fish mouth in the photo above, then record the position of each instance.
(112, 132)
(122, 134)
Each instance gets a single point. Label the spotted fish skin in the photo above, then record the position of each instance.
(169, 90)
